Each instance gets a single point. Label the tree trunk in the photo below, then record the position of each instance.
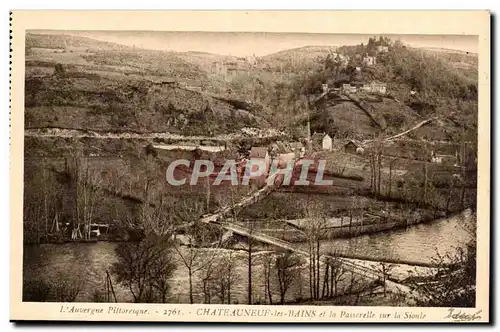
(318, 277)
(379, 172)
(389, 191)
(249, 271)
(311, 255)
(326, 287)
(190, 272)
(268, 284)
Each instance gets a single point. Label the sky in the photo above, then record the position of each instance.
(260, 43)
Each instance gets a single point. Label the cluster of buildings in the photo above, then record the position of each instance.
(373, 87)
(444, 158)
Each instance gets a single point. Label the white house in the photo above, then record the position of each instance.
(322, 141)
(375, 87)
(258, 153)
(369, 60)
(382, 49)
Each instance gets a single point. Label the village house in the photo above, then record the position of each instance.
(369, 60)
(375, 87)
(348, 88)
(443, 158)
(260, 157)
(322, 141)
(382, 49)
(260, 153)
(353, 148)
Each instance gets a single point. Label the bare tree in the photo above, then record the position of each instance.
(145, 267)
(385, 269)
(453, 282)
(156, 214)
(392, 163)
(250, 241)
(375, 161)
(87, 193)
(316, 230)
(193, 257)
(208, 278)
(160, 273)
(334, 275)
(267, 264)
(286, 268)
(226, 276)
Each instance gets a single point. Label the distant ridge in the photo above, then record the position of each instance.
(448, 50)
(303, 49)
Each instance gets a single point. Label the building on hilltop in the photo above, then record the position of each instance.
(369, 60)
(375, 87)
(382, 49)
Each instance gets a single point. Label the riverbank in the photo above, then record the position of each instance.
(296, 231)
(88, 263)
(299, 233)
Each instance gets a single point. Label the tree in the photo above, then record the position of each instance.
(376, 168)
(157, 215)
(42, 201)
(87, 193)
(145, 268)
(392, 163)
(286, 269)
(267, 265)
(196, 236)
(334, 274)
(67, 286)
(315, 233)
(59, 70)
(225, 276)
(249, 260)
(208, 279)
(385, 269)
(453, 282)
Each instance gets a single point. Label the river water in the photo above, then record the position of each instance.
(419, 243)
(89, 261)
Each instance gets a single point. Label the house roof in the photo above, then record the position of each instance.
(258, 152)
(352, 142)
(318, 136)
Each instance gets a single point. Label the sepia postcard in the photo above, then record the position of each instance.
(250, 166)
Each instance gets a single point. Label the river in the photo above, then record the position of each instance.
(419, 243)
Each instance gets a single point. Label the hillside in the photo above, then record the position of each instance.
(301, 54)
(81, 53)
(79, 83)
(420, 85)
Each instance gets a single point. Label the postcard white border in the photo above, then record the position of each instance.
(372, 22)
